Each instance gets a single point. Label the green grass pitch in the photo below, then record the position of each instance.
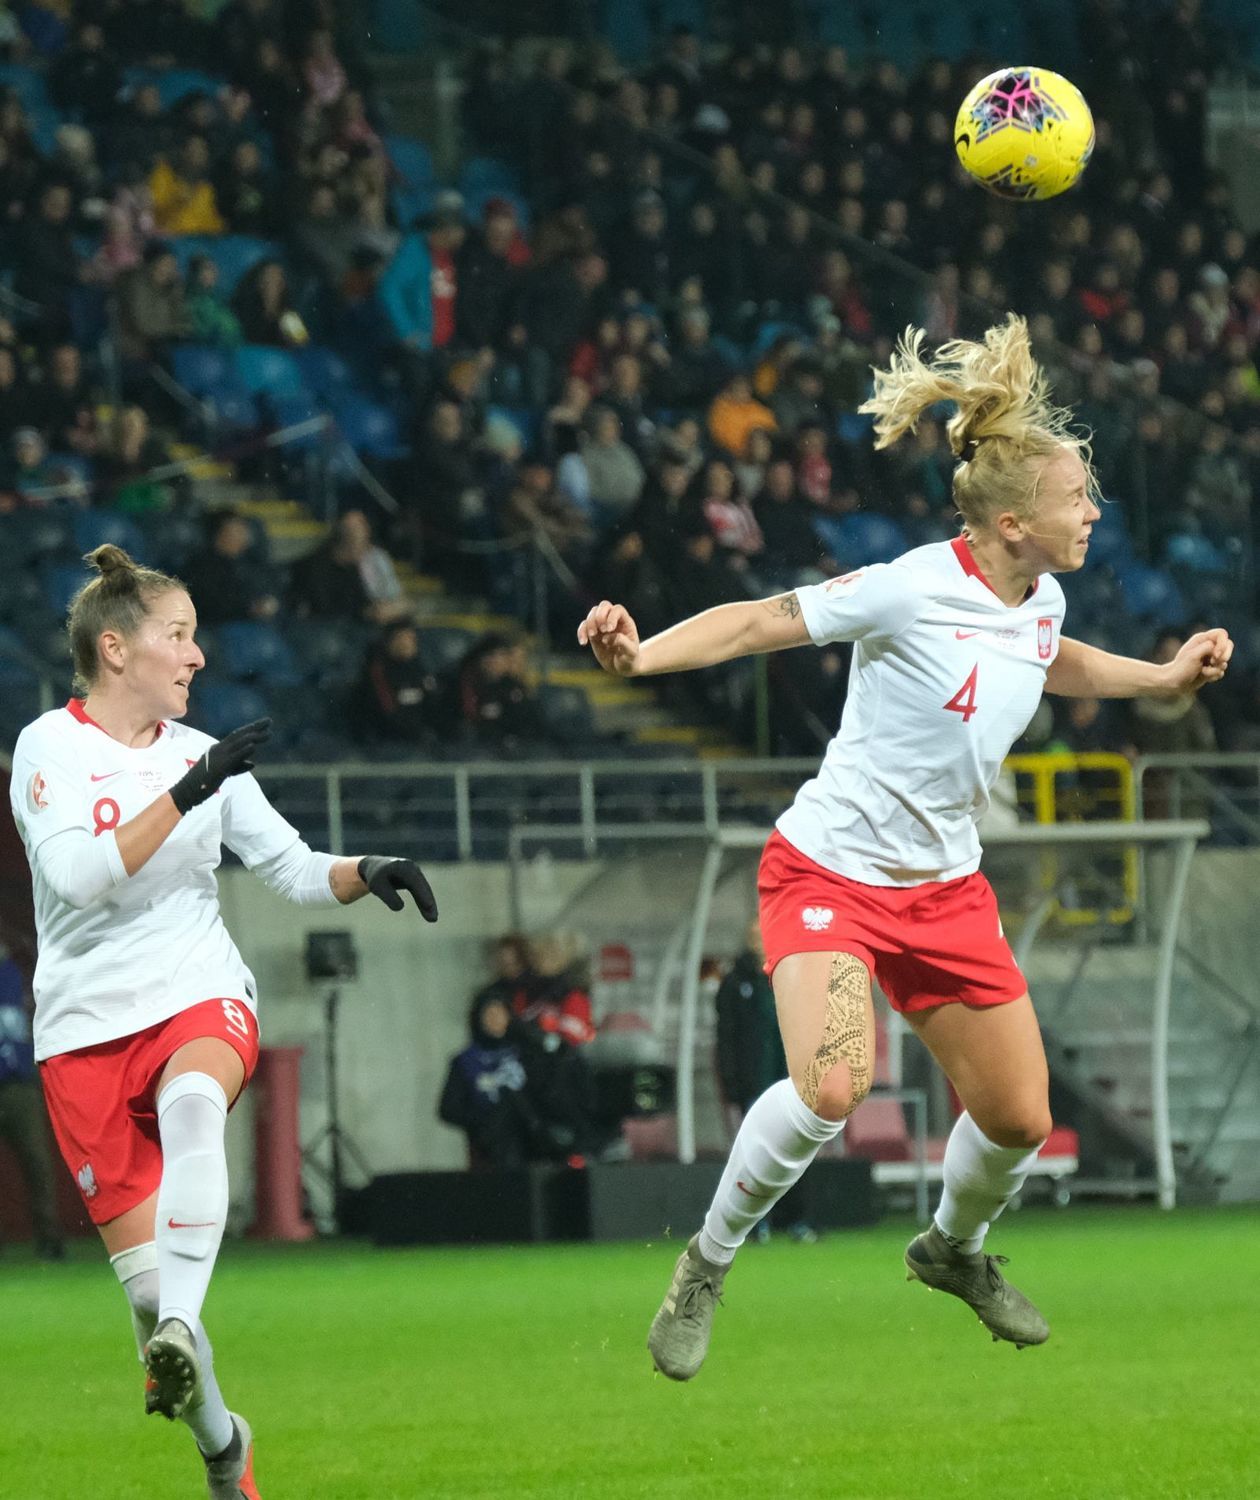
(523, 1373)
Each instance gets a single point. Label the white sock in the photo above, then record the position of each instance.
(209, 1421)
(777, 1140)
(193, 1196)
(981, 1178)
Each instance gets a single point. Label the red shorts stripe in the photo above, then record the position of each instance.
(102, 1107)
(927, 945)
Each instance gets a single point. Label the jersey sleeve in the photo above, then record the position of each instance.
(872, 604)
(271, 847)
(47, 787)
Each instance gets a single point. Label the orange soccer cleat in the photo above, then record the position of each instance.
(231, 1476)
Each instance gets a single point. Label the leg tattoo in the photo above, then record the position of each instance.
(844, 1036)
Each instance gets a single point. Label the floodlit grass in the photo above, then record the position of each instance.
(522, 1372)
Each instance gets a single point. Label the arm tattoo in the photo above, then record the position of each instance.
(787, 605)
(845, 1038)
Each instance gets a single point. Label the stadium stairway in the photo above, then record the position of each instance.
(1096, 1013)
(617, 710)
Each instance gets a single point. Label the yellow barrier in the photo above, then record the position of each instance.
(1064, 788)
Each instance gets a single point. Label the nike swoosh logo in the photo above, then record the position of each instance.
(964, 635)
(748, 1192)
(105, 775)
(171, 1224)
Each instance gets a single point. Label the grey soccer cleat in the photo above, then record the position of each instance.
(172, 1372)
(230, 1476)
(679, 1337)
(977, 1281)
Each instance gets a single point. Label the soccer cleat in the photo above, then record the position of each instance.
(172, 1374)
(231, 1475)
(679, 1337)
(977, 1281)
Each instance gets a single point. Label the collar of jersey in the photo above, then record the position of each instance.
(970, 566)
(76, 710)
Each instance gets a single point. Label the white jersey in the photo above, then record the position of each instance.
(154, 943)
(945, 678)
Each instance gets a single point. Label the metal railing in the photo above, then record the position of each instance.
(1223, 787)
(461, 811)
(467, 810)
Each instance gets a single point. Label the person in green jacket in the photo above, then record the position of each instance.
(211, 320)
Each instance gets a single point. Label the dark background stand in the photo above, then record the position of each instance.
(332, 956)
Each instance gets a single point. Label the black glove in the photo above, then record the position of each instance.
(385, 877)
(232, 754)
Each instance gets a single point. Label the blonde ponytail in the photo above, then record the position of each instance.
(1005, 426)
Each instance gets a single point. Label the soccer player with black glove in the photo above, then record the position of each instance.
(124, 812)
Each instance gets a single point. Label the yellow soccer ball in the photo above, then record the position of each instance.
(1024, 133)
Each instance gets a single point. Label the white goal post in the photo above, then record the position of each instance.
(687, 946)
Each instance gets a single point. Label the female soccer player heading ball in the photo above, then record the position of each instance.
(145, 1024)
(873, 870)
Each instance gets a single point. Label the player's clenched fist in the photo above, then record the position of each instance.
(613, 636)
(1202, 659)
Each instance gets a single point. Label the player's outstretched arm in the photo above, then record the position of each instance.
(1081, 671)
(747, 628)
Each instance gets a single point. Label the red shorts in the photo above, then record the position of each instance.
(926, 944)
(103, 1110)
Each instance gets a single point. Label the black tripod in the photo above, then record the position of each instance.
(340, 1143)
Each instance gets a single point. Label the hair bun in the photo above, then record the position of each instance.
(108, 560)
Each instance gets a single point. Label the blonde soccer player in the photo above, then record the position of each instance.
(145, 1012)
(874, 869)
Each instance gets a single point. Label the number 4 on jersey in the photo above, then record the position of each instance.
(964, 700)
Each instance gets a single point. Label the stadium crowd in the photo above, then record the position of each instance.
(637, 340)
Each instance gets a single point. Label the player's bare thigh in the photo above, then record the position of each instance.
(994, 1058)
(205, 1054)
(827, 1023)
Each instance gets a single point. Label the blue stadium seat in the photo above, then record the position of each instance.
(410, 204)
(44, 120)
(234, 254)
(1151, 595)
(218, 707)
(838, 24)
(200, 367)
(95, 528)
(29, 534)
(1189, 553)
(174, 84)
(61, 581)
(26, 83)
(253, 651)
(324, 370)
(293, 411)
(328, 653)
(486, 175)
(443, 647)
(412, 160)
(870, 538)
(173, 539)
(263, 370)
(369, 427)
(233, 407)
(566, 714)
(629, 31)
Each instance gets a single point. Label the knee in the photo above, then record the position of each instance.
(838, 1092)
(1026, 1129)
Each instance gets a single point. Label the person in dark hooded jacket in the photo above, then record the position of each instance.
(485, 1094)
